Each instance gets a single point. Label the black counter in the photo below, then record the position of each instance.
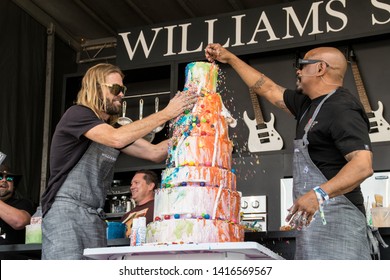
(281, 242)
(33, 251)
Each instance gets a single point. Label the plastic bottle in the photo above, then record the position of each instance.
(133, 232)
(128, 205)
(37, 217)
(141, 231)
(34, 229)
(114, 204)
(368, 212)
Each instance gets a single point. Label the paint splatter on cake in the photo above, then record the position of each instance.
(198, 201)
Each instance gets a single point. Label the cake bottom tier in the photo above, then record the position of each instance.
(193, 231)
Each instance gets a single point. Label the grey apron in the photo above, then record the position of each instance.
(345, 234)
(76, 221)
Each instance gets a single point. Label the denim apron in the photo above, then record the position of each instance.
(76, 219)
(345, 235)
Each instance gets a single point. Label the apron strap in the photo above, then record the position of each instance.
(311, 121)
(96, 211)
(375, 239)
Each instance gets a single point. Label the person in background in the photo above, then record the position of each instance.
(142, 189)
(84, 149)
(332, 152)
(15, 212)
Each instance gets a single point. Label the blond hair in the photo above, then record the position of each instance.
(90, 94)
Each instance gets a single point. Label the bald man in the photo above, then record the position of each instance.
(332, 152)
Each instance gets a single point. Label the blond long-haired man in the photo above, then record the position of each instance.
(84, 149)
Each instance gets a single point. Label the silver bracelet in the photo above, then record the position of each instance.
(320, 200)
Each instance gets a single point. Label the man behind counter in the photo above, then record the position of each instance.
(15, 212)
(142, 189)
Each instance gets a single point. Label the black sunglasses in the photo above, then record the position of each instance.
(7, 177)
(115, 89)
(301, 62)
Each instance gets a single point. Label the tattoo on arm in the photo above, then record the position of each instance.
(280, 103)
(259, 83)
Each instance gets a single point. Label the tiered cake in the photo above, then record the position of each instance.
(198, 201)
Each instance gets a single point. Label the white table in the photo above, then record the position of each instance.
(202, 251)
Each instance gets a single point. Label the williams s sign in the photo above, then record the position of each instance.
(275, 27)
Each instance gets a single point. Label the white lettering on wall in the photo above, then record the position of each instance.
(238, 20)
(268, 28)
(141, 39)
(184, 40)
(170, 40)
(290, 13)
(382, 6)
(316, 17)
(336, 14)
(210, 30)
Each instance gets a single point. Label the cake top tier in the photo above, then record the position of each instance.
(203, 74)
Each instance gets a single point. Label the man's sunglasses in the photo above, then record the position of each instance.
(115, 89)
(301, 62)
(7, 177)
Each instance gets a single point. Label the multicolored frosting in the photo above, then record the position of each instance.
(203, 176)
(198, 201)
(200, 137)
(194, 231)
(203, 75)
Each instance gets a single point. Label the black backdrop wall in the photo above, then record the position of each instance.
(22, 92)
(22, 83)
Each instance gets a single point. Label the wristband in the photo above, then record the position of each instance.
(320, 200)
(323, 194)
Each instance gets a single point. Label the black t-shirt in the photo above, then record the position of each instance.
(67, 147)
(340, 128)
(13, 236)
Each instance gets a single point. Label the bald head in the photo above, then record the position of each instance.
(335, 59)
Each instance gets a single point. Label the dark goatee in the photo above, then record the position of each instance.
(111, 109)
(298, 89)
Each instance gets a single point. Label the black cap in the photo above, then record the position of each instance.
(6, 170)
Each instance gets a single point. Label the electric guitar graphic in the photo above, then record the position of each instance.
(379, 127)
(262, 135)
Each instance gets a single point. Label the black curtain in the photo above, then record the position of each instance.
(22, 95)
